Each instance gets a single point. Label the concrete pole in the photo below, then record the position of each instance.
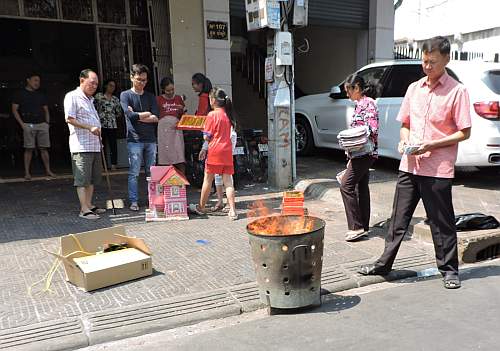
(381, 30)
(281, 128)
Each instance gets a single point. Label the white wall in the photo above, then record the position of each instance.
(333, 55)
(188, 46)
(427, 18)
(218, 52)
(381, 30)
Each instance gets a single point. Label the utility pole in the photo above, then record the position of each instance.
(281, 129)
(276, 16)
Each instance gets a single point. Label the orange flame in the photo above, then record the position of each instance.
(258, 209)
(282, 225)
(265, 222)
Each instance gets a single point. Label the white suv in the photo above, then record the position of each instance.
(320, 117)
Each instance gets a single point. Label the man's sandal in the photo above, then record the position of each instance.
(451, 282)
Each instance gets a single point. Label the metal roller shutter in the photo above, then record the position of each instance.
(331, 13)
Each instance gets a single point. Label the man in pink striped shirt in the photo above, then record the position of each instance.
(435, 117)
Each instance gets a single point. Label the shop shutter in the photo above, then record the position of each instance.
(332, 13)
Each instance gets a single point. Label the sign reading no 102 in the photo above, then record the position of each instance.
(217, 30)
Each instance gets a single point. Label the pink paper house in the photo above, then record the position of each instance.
(167, 194)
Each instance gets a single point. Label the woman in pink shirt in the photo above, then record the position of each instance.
(219, 157)
(354, 182)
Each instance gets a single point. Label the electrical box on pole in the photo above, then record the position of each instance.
(283, 48)
(278, 15)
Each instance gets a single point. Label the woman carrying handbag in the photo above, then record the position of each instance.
(361, 150)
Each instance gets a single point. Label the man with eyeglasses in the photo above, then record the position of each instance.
(435, 117)
(141, 112)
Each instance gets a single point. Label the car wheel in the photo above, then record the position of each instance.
(304, 141)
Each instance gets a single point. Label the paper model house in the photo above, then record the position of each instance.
(167, 194)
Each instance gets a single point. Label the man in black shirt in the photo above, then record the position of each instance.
(29, 107)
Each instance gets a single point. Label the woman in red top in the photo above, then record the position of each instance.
(202, 86)
(170, 139)
(219, 157)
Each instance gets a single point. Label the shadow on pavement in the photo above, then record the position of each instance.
(480, 272)
(330, 304)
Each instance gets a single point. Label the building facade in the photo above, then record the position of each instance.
(58, 38)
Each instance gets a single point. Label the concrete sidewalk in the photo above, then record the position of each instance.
(203, 267)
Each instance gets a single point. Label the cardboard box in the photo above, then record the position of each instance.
(89, 271)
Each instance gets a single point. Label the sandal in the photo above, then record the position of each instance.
(97, 210)
(451, 282)
(217, 208)
(233, 216)
(195, 208)
(353, 235)
(89, 215)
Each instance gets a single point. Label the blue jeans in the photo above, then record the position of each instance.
(137, 152)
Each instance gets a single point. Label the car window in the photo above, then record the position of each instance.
(452, 74)
(492, 80)
(373, 75)
(343, 94)
(400, 77)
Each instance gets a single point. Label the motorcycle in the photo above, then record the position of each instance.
(257, 148)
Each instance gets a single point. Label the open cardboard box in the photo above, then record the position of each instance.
(91, 272)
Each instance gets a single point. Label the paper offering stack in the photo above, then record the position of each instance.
(356, 141)
(293, 203)
(354, 138)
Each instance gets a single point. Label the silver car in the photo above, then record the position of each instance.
(320, 117)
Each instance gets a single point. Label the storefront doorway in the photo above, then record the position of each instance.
(59, 38)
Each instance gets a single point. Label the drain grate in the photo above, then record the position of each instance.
(158, 311)
(332, 276)
(31, 337)
(246, 293)
(489, 252)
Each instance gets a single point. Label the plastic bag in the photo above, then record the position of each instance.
(475, 221)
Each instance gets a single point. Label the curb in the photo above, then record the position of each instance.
(317, 189)
(139, 319)
(469, 243)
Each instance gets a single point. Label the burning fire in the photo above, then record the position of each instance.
(258, 209)
(264, 222)
(281, 225)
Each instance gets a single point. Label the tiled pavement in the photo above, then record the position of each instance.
(35, 214)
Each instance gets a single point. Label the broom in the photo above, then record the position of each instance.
(112, 203)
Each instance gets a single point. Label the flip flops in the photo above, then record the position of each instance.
(97, 210)
(89, 215)
(218, 208)
(195, 208)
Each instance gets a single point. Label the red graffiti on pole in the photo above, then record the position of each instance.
(283, 129)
